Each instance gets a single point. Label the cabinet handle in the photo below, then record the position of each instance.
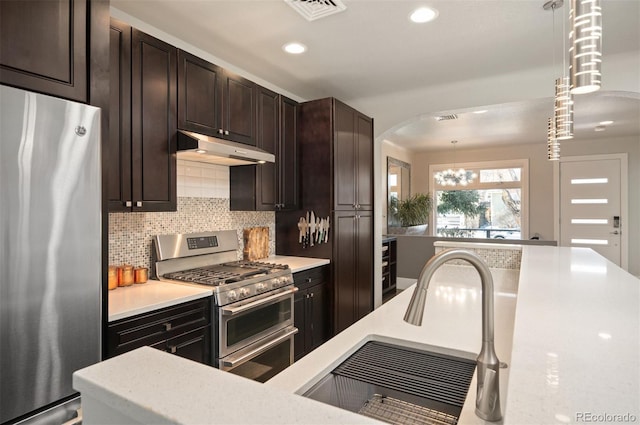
(308, 280)
(312, 295)
(220, 131)
(226, 132)
(128, 204)
(173, 349)
(138, 203)
(167, 326)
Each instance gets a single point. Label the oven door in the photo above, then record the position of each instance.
(245, 322)
(264, 359)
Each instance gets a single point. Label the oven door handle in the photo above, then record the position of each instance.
(232, 311)
(232, 361)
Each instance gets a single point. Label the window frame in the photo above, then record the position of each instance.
(523, 185)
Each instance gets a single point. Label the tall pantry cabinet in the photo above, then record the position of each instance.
(336, 181)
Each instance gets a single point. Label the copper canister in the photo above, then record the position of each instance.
(141, 274)
(113, 277)
(125, 275)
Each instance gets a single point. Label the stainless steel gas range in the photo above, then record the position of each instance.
(252, 301)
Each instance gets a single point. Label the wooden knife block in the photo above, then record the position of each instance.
(256, 243)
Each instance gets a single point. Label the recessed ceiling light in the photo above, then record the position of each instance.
(606, 122)
(423, 14)
(294, 48)
(600, 128)
(481, 111)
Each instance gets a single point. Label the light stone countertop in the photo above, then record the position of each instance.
(573, 350)
(142, 298)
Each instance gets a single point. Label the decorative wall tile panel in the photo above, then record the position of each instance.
(203, 205)
(494, 257)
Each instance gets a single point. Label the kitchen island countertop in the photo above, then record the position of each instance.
(573, 352)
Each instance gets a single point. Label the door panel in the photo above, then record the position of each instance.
(364, 224)
(154, 122)
(590, 198)
(345, 270)
(364, 141)
(345, 158)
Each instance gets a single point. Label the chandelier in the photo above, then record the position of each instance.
(453, 177)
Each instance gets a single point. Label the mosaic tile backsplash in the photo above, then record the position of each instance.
(130, 233)
(495, 258)
(203, 205)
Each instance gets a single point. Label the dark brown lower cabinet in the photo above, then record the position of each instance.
(311, 310)
(183, 330)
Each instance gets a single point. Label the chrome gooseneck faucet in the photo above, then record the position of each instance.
(488, 365)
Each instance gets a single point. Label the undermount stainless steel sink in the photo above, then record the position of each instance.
(398, 385)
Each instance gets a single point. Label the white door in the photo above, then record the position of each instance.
(590, 205)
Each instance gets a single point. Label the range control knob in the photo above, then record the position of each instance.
(261, 287)
(275, 282)
(244, 292)
(232, 296)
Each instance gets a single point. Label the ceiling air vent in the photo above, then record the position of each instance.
(447, 117)
(315, 9)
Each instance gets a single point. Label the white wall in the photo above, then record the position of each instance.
(541, 207)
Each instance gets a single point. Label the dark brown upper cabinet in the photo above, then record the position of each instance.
(43, 46)
(141, 158)
(199, 95)
(353, 156)
(270, 187)
(238, 109)
(214, 101)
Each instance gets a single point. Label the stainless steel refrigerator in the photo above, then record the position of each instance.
(50, 252)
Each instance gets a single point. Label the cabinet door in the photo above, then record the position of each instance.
(364, 264)
(345, 269)
(118, 159)
(364, 153)
(353, 266)
(43, 46)
(287, 157)
(154, 123)
(239, 109)
(268, 140)
(318, 315)
(344, 157)
(199, 84)
(300, 322)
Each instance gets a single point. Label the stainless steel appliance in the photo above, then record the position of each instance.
(253, 301)
(50, 255)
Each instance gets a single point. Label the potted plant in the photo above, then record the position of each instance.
(411, 215)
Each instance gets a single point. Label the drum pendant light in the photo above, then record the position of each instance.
(563, 103)
(553, 145)
(585, 51)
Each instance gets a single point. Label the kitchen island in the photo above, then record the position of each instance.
(567, 325)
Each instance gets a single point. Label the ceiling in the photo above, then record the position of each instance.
(496, 55)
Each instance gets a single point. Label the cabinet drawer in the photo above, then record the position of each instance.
(151, 328)
(311, 277)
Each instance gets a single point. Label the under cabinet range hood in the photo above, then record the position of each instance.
(202, 148)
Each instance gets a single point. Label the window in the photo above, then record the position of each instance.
(493, 205)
